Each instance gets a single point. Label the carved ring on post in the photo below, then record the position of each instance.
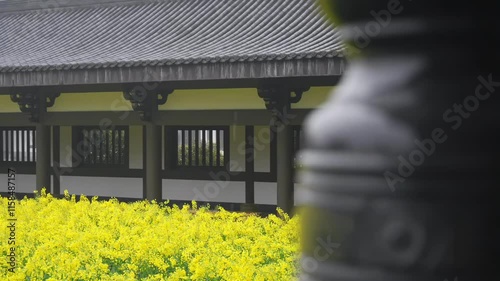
(31, 104)
(143, 101)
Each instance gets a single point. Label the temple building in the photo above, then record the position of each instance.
(166, 99)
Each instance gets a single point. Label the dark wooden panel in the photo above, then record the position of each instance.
(15, 119)
(22, 168)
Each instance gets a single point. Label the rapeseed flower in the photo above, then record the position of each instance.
(87, 239)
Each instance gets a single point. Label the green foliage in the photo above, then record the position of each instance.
(208, 152)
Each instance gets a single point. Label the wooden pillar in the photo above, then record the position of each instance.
(153, 162)
(43, 150)
(144, 163)
(284, 169)
(36, 104)
(56, 140)
(145, 102)
(249, 165)
(278, 99)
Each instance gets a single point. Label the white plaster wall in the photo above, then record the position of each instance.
(262, 148)
(265, 193)
(102, 186)
(7, 105)
(65, 149)
(24, 183)
(135, 147)
(108, 101)
(314, 98)
(210, 99)
(198, 190)
(211, 191)
(237, 147)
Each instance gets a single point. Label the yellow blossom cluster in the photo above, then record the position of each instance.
(86, 239)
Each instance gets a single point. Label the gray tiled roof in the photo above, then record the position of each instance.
(112, 33)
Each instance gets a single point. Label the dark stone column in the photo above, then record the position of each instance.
(401, 165)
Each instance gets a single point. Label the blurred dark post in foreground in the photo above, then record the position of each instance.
(401, 164)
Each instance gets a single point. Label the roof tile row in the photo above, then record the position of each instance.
(165, 32)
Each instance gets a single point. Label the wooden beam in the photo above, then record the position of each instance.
(17, 119)
(178, 174)
(243, 117)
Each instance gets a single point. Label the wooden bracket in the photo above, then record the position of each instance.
(146, 102)
(279, 99)
(34, 104)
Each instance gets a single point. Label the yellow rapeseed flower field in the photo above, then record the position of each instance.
(69, 239)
